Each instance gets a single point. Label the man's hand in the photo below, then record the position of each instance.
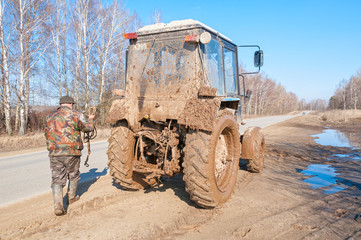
(91, 112)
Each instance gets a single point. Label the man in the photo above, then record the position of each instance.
(64, 143)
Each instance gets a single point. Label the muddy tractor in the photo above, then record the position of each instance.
(180, 113)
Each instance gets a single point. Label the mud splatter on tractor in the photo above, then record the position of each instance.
(180, 112)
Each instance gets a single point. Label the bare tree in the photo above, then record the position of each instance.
(136, 22)
(302, 104)
(110, 40)
(5, 68)
(30, 17)
(354, 86)
(347, 94)
(156, 16)
(266, 97)
(76, 80)
(58, 28)
(87, 26)
(343, 92)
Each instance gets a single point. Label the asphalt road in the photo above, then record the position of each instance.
(26, 175)
(263, 122)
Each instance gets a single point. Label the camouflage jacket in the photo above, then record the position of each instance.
(62, 131)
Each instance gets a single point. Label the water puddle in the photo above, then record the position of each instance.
(325, 175)
(347, 157)
(331, 137)
(322, 176)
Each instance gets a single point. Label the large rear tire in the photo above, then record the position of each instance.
(253, 147)
(121, 156)
(211, 162)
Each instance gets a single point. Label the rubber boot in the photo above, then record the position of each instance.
(73, 185)
(58, 200)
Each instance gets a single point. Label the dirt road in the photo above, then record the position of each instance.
(276, 204)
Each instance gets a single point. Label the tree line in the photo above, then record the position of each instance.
(347, 94)
(271, 98)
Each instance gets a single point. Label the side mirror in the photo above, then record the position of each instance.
(258, 58)
(248, 94)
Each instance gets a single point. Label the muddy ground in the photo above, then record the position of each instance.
(276, 204)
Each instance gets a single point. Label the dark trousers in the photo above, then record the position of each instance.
(64, 167)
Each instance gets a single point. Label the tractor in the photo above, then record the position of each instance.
(180, 112)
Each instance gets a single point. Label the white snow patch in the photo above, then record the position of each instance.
(177, 25)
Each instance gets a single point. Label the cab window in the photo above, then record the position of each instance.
(213, 65)
(230, 71)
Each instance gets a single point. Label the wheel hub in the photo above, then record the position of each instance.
(221, 156)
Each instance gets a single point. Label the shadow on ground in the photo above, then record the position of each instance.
(86, 180)
(175, 183)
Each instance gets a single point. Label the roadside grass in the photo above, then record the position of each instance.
(339, 115)
(36, 140)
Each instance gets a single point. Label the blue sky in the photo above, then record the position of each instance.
(309, 46)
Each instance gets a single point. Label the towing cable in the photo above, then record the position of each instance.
(90, 135)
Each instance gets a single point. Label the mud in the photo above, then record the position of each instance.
(200, 113)
(276, 204)
(253, 148)
(206, 91)
(119, 110)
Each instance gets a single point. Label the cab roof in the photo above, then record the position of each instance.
(175, 26)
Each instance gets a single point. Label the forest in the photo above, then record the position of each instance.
(53, 48)
(347, 94)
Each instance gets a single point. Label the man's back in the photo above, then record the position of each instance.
(63, 131)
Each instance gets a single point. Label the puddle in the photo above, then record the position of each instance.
(325, 176)
(331, 137)
(341, 155)
(322, 176)
(348, 157)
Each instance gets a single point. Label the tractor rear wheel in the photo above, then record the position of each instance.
(211, 162)
(121, 156)
(253, 147)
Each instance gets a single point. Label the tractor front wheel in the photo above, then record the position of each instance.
(253, 147)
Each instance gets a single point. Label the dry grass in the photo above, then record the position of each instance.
(339, 115)
(36, 140)
(16, 143)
